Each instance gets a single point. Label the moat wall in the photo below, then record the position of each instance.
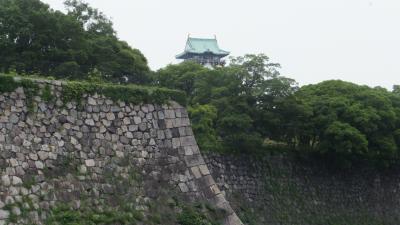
(98, 153)
(281, 189)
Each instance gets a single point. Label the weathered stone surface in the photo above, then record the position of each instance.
(43, 155)
(16, 211)
(66, 152)
(89, 122)
(14, 118)
(90, 163)
(4, 214)
(183, 187)
(194, 160)
(92, 101)
(196, 172)
(5, 180)
(110, 116)
(124, 140)
(83, 169)
(232, 219)
(188, 141)
(16, 180)
(39, 165)
(204, 170)
(137, 120)
(127, 121)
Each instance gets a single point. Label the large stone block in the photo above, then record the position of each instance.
(188, 141)
(4, 214)
(233, 219)
(194, 160)
(5, 180)
(196, 172)
(204, 170)
(183, 187)
(176, 143)
(169, 114)
(90, 163)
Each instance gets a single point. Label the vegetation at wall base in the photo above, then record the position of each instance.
(64, 215)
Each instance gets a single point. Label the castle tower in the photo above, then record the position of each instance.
(203, 51)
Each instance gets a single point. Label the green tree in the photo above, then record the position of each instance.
(396, 89)
(203, 118)
(343, 138)
(92, 20)
(36, 39)
(182, 76)
(265, 90)
(239, 94)
(348, 118)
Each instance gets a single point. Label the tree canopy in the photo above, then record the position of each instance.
(227, 103)
(38, 40)
(240, 107)
(347, 118)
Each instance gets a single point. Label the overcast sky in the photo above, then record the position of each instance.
(313, 40)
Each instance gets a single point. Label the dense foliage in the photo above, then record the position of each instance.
(37, 39)
(241, 107)
(344, 119)
(227, 104)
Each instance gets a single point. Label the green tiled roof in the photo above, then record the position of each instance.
(200, 46)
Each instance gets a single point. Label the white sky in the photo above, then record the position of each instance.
(313, 40)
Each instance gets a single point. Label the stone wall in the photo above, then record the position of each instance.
(100, 152)
(281, 189)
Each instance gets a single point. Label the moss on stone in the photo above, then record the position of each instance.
(47, 94)
(9, 83)
(75, 90)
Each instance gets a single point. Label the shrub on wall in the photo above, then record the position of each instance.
(74, 90)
